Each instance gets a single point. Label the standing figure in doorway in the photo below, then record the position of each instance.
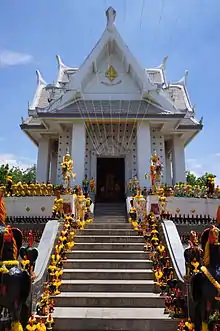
(92, 185)
(85, 185)
(67, 171)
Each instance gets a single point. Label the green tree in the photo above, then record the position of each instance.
(190, 178)
(3, 173)
(29, 175)
(18, 175)
(202, 181)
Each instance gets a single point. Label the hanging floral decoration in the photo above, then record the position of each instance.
(28, 209)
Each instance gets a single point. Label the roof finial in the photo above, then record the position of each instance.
(163, 64)
(185, 77)
(40, 79)
(60, 62)
(183, 80)
(111, 14)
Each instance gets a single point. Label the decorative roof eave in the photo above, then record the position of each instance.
(191, 138)
(30, 136)
(58, 104)
(26, 126)
(41, 84)
(62, 70)
(90, 115)
(190, 127)
(161, 69)
(182, 84)
(149, 99)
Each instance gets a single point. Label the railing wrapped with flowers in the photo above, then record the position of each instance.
(166, 280)
(55, 244)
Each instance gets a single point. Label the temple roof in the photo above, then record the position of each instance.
(132, 91)
(151, 82)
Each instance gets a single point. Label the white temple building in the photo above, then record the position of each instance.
(111, 114)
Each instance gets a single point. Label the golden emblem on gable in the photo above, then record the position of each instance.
(111, 73)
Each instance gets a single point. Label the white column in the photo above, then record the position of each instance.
(143, 152)
(78, 150)
(43, 161)
(168, 178)
(53, 176)
(178, 160)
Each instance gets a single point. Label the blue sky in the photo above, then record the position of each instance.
(33, 32)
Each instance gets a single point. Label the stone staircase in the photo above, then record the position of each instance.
(107, 281)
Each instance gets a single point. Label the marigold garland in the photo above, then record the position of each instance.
(164, 275)
(44, 309)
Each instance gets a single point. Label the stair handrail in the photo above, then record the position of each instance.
(177, 252)
(45, 249)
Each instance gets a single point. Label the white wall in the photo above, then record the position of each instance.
(39, 206)
(178, 160)
(43, 161)
(53, 166)
(143, 152)
(98, 87)
(78, 150)
(168, 170)
(188, 205)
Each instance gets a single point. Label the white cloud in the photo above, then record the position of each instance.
(16, 161)
(10, 58)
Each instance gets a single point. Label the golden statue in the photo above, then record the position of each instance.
(67, 168)
(140, 205)
(156, 171)
(2, 208)
(57, 209)
(80, 205)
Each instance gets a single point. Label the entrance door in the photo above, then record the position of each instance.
(110, 179)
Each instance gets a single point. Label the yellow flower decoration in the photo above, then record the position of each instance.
(193, 211)
(28, 209)
(177, 210)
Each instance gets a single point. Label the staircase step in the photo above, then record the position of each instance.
(106, 215)
(135, 255)
(110, 246)
(106, 264)
(123, 319)
(110, 225)
(97, 299)
(108, 232)
(107, 285)
(108, 239)
(109, 219)
(108, 274)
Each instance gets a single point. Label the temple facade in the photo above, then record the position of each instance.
(111, 115)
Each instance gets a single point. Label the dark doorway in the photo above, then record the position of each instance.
(110, 179)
